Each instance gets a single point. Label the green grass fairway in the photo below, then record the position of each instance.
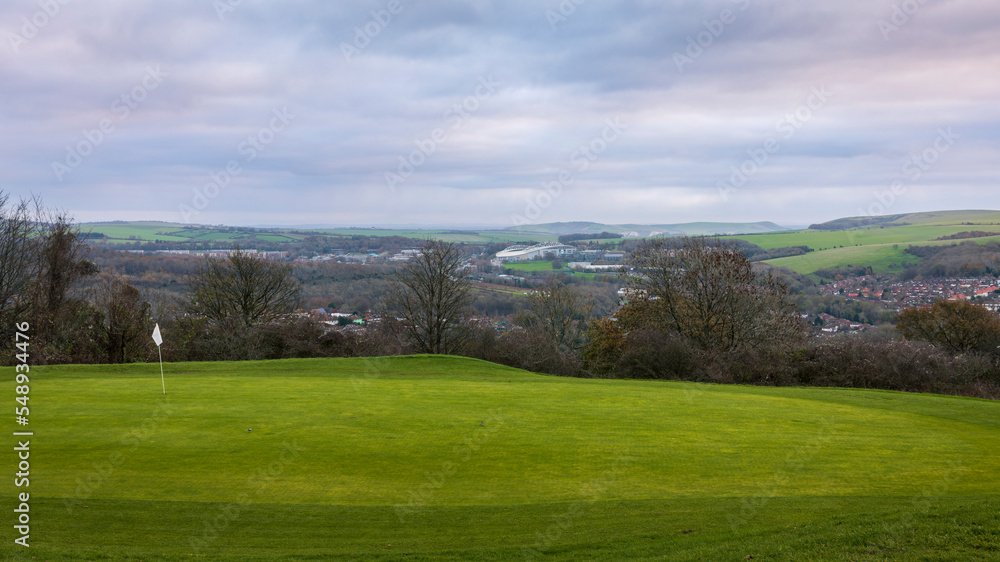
(440, 458)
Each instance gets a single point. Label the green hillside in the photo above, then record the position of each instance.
(456, 459)
(925, 218)
(881, 246)
(690, 229)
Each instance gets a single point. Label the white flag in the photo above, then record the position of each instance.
(156, 335)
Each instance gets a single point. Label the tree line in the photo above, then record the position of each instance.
(698, 309)
(691, 309)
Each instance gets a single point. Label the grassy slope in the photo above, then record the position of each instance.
(977, 216)
(823, 240)
(884, 258)
(487, 460)
(882, 248)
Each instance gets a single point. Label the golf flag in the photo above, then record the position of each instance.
(159, 340)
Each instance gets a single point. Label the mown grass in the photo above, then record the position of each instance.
(457, 459)
(530, 266)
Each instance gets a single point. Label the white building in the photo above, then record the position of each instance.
(525, 253)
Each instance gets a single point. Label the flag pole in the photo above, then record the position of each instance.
(162, 382)
(158, 339)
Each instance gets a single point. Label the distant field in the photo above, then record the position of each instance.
(530, 266)
(456, 459)
(167, 233)
(884, 259)
(124, 233)
(132, 232)
(821, 240)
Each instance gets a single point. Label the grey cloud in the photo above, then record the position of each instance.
(561, 81)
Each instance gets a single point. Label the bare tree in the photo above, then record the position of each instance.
(62, 263)
(124, 328)
(243, 290)
(19, 263)
(432, 297)
(958, 326)
(560, 313)
(708, 292)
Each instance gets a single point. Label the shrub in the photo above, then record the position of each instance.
(605, 340)
(651, 354)
(958, 326)
(530, 349)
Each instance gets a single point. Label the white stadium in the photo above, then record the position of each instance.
(525, 253)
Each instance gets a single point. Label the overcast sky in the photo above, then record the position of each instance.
(487, 112)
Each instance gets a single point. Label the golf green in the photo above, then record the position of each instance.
(449, 458)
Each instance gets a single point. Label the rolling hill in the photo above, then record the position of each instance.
(456, 459)
(925, 218)
(854, 241)
(842, 243)
(645, 230)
